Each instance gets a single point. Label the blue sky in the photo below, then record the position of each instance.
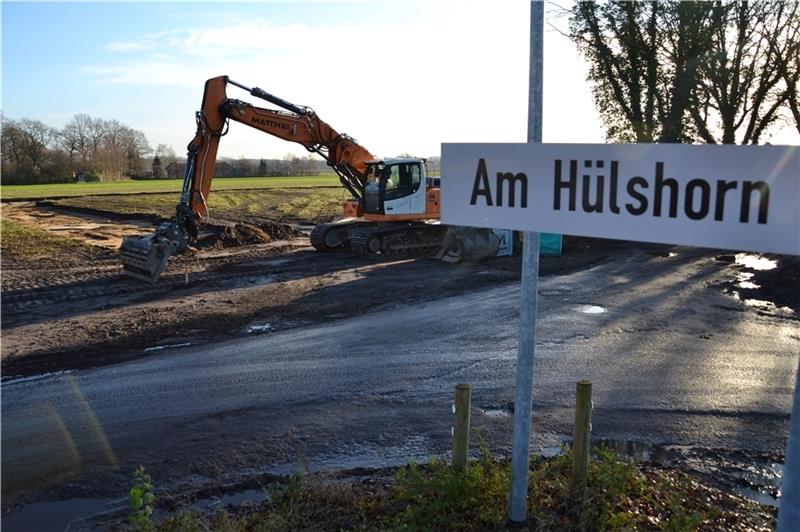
(400, 77)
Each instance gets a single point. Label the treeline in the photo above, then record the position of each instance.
(166, 167)
(33, 152)
(94, 149)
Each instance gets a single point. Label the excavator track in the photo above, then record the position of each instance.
(318, 237)
(328, 237)
(402, 241)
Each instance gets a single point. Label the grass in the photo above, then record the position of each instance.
(58, 190)
(621, 495)
(310, 198)
(21, 240)
(291, 204)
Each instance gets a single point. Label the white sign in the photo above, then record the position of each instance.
(730, 197)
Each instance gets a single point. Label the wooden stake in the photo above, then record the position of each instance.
(461, 427)
(580, 441)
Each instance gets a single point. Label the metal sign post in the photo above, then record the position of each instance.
(717, 196)
(789, 511)
(523, 397)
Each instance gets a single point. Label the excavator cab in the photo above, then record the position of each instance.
(395, 187)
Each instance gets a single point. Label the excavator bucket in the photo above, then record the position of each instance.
(469, 244)
(146, 257)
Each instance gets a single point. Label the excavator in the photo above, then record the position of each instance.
(393, 210)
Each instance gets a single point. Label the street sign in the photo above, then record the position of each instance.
(719, 196)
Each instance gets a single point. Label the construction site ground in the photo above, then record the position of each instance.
(337, 328)
(67, 303)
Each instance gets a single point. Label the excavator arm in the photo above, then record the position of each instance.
(146, 257)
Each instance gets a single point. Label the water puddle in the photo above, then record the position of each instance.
(496, 410)
(761, 304)
(57, 516)
(758, 303)
(168, 346)
(80, 514)
(261, 280)
(496, 413)
(8, 381)
(744, 281)
(756, 262)
(374, 455)
(752, 475)
(590, 309)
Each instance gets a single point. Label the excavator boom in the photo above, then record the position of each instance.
(146, 257)
(400, 207)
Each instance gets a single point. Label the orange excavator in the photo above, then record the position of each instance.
(393, 211)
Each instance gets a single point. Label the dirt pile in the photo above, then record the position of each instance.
(244, 234)
(241, 235)
(279, 231)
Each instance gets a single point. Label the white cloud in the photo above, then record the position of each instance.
(145, 42)
(458, 73)
(129, 46)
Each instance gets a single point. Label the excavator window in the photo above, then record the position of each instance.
(402, 179)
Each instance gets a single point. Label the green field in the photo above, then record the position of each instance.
(291, 204)
(60, 190)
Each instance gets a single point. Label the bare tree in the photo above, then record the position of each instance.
(622, 43)
(11, 148)
(739, 95)
(27, 148)
(166, 154)
(36, 138)
(784, 47)
(34, 152)
(673, 71)
(80, 137)
(310, 165)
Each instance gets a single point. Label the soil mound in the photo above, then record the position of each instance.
(244, 234)
(241, 235)
(279, 231)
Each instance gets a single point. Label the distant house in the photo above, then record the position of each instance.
(223, 169)
(176, 170)
(80, 176)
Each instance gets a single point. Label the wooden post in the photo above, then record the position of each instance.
(461, 427)
(580, 441)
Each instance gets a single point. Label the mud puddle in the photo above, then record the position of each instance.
(590, 309)
(100, 514)
(765, 284)
(57, 516)
(753, 475)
